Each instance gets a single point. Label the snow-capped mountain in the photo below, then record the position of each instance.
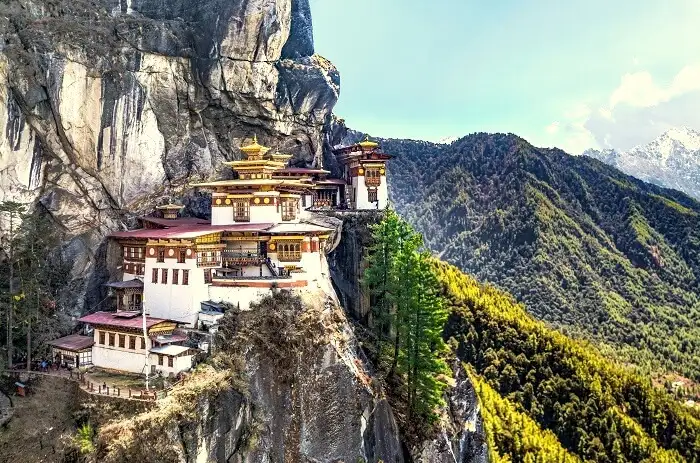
(671, 161)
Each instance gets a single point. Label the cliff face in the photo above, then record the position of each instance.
(109, 105)
(287, 385)
(462, 437)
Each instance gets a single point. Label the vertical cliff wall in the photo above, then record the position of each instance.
(461, 438)
(109, 105)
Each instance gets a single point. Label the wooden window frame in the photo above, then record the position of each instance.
(122, 341)
(154, 276)
(160, 360)
(171, 362)
(373, 196)
(164, 276)
(160, 255)
(185, 277)
(289, 209)
(111, 339)
(289, 251)
(102, 337)
(207, 276)
(132, 342)
(143, 342)
(241, 211)
(182, 256)
(373, 177)
(176, 276)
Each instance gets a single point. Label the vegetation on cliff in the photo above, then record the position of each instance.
(586, 248)
(598, 410)
(408, 318)
(544, 396)
(32, 276)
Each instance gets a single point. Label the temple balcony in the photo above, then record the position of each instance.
(208, 262)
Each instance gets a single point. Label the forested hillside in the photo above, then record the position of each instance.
(543, 396)
(548, 398)
(585, 247)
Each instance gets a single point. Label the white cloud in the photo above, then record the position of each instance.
(570, 134)
(552, 128)
(639, 89)
(636, 112)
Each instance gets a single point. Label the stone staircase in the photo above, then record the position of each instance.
(6, 409)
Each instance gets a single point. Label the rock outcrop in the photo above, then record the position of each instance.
(107, 106)
(297, 391)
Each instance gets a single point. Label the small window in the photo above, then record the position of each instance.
(122, 340)
(170, 362)
(111, 339)
(164, 276)
(289, 209)
(185, 277)
(182, 255)
(241, 211)
(160, 360)
(207, 276)
(154, 276)
(176, 275)
(132, 342)
(143, 343)
(372, 196)
(102, 337)
(161, 255)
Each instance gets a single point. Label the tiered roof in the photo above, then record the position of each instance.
(257, 171)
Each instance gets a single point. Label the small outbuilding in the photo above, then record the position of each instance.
(172, 359)
(74, 351)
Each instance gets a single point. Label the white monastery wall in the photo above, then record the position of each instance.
(222, 215)
(111, 357)
(176, 302)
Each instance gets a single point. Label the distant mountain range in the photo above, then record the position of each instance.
(671, 161)
(587, 248)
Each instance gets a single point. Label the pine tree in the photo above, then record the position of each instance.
(408, 315)
(12, 210)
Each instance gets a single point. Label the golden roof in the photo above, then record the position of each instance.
(367, 144)
(170, 207)
(255, 148)
(252, 182)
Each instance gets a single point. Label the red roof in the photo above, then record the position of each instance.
(190, 231)
(175, 222)
(112, 319)
(73, 343)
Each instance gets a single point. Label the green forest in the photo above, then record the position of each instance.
(544, 396)
(598, 410)
(591, 251)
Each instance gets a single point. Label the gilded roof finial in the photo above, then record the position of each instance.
(255, 138)
(367, 144)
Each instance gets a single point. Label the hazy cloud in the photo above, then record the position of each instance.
(637, 111)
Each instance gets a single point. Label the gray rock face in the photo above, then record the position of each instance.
(462, 438)
(107, 106)
(316, 404)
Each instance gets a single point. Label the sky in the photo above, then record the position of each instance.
(575, 74)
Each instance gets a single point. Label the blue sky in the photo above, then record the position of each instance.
(568, 73)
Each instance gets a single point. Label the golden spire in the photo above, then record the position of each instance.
(367, 144)
(255, 149)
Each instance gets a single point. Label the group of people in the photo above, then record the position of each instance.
(46, 365)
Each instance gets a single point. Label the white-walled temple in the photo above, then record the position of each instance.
(177, 272)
